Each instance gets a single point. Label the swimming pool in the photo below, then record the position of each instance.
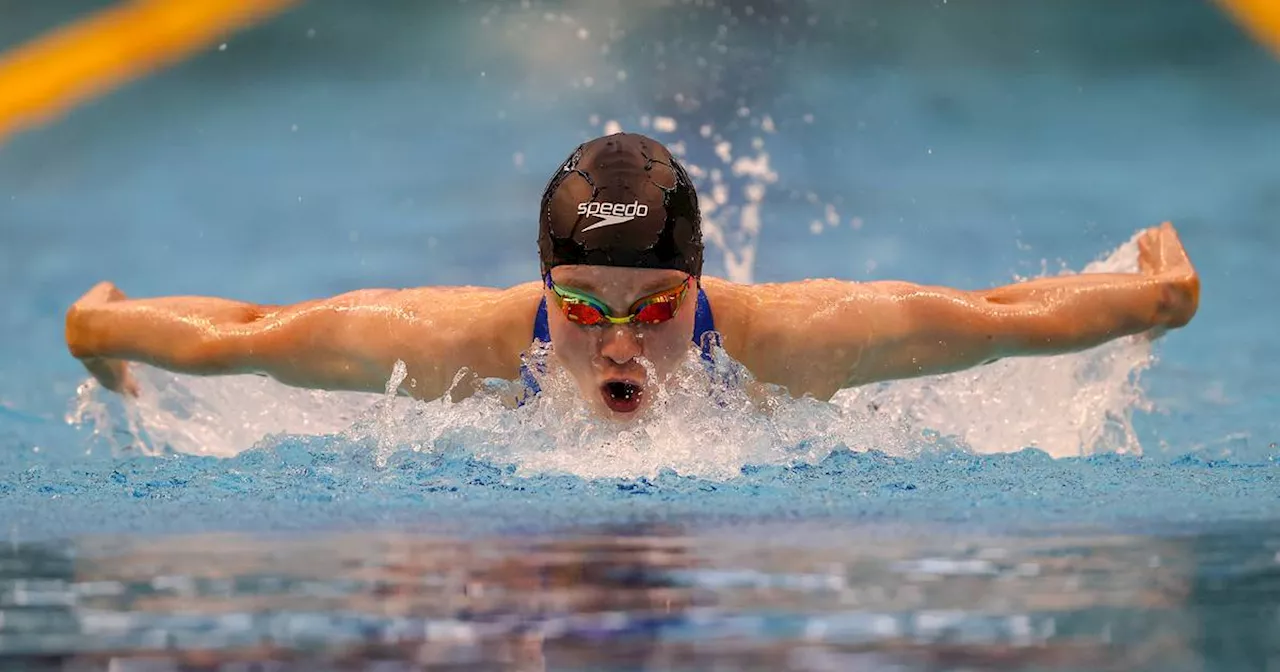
(1113, 509)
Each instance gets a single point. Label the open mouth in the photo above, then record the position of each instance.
(622, 396)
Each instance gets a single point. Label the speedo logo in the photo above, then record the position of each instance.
(612, 213)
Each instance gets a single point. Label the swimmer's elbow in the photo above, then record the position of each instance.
(940, 330)
(972, 329)
(330, 344)
(216, 352)
(230, 345)
(1031, 332)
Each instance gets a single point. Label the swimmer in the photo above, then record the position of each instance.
(622, 300)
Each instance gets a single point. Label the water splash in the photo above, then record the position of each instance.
(1067, 405)
(713, 103)
(558, 433)
(731, 186)
(219, 417)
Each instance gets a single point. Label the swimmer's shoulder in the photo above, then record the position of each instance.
(439, 330)
(487, 317)
(751, 316)
(510, 296)
(739, 302)
(734, 306)
(498, 306)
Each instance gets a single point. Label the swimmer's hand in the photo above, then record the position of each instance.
(1161, 255)
(112, 374)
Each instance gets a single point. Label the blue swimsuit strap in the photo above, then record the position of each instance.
(703, 323)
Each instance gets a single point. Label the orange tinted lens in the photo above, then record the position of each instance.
(582, 313)
(658, 311)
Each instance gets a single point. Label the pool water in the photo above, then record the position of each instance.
(1113, 509)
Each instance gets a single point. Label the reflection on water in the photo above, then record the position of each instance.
(769, 597)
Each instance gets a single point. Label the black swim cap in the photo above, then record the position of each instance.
(621, 200)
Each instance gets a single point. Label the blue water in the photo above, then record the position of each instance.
(960, 142)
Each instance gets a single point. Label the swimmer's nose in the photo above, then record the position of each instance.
(621, 344)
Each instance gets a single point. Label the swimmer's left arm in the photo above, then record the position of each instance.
(931, 330)
(941, 330)
(831, 334)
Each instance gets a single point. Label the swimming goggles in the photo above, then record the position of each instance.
(587, 310)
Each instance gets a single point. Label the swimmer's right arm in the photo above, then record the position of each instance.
(347, 342)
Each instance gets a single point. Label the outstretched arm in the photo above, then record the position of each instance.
(820, 336)
(348, 342)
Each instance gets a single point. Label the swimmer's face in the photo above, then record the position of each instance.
(605, 361)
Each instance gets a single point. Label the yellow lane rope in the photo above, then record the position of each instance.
(1260, 17)
(45, 77)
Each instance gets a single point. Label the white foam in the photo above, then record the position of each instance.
(558, 433)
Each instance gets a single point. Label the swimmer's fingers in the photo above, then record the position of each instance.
(1153, 334)
(1147, 260)
(1160, 251)
(112, 374)
(103, 292)
(1182, 282)
(1161, 254)
(1149, 251)
(1173, 252)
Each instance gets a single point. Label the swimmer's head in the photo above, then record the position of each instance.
(620, 224)
(621, 200)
